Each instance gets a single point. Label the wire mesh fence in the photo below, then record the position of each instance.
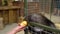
(39, 5)
(45, 6)
(56, 7)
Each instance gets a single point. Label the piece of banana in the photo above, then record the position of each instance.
(24, 23)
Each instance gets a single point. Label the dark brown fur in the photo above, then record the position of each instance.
(39, 18)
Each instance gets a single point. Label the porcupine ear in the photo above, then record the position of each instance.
(27, 18)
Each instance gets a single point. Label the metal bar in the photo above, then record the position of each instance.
(26, 7)
(45, 27)
(26, 12)
(51, 9)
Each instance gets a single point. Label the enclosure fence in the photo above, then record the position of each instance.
(56, 31)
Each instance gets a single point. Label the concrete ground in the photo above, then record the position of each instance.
(54, 19)
(8, 28)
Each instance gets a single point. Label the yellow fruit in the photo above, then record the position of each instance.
(24, 23)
